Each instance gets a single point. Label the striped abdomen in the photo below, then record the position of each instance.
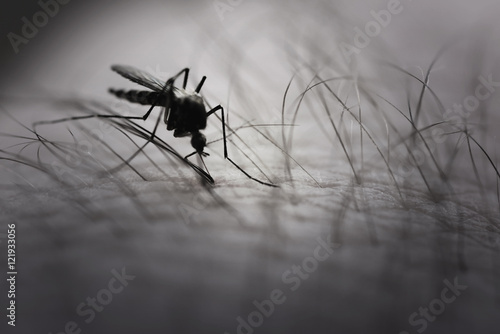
(140, 96)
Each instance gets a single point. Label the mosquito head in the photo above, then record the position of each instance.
(198, 141)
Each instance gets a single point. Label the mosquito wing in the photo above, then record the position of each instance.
(141, 77)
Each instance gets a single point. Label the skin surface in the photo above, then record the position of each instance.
(375, 227)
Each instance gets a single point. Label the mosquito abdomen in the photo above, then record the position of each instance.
(139, 96)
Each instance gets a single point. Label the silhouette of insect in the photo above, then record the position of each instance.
(184, 112)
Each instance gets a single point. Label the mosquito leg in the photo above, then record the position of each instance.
(184, 83)
(217, 108)
(190, 155)
(198, 88)
(186, 74)
(85, 117)
(140, 149)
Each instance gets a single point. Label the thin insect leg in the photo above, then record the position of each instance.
(86, 117)
(172, 79)
(147, 156)
(200, 158)
(186, 74)
(190, 154)
(140, 149)
(198, 88)
(219, 107)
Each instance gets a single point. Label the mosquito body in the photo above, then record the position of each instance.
(184, 112)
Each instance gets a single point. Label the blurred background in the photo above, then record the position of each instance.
(376, 119)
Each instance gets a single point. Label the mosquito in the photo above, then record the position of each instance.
(184, 112)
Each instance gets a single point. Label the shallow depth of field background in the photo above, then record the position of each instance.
(407, 210)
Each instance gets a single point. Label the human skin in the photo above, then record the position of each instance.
(372, 228)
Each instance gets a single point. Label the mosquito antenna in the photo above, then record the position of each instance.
(197, 90)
